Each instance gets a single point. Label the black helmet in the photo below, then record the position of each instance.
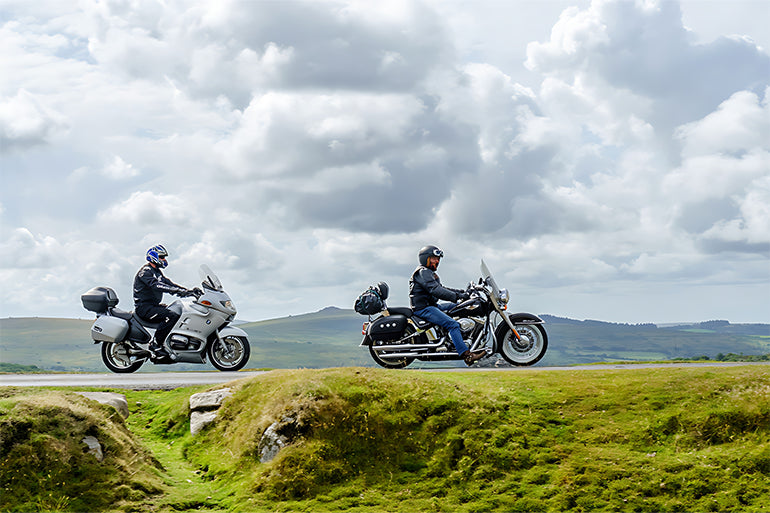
(428, 251)
(383, 289)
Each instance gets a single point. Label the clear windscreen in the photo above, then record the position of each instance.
(486, 275)
(208, 278)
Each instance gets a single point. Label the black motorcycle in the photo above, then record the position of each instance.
(396, 337)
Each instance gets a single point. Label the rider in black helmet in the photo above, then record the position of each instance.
(425, 290)
(149, 286)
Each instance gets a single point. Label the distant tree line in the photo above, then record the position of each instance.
(730, 357)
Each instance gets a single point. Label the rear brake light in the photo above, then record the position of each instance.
(363, 328)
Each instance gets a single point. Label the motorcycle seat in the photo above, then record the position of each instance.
(408, 312)
(146, 324)
(420, 322)
(121, 314)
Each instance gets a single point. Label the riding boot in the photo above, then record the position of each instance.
(472, 357)
(157, 350)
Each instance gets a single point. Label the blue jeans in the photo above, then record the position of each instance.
(436, 315)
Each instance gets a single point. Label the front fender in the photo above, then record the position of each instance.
(525, 318)
(517, 318)
(232, 331)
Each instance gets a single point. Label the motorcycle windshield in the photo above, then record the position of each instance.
(208, 279)
(486, 275)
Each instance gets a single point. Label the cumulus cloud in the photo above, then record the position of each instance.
(304, 147)
(26, 121)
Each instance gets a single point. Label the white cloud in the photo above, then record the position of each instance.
(26, 121)
(304, 149)
(150, 209)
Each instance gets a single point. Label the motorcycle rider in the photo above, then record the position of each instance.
(425, 290)
(149, 286)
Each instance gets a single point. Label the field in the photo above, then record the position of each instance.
(331, 338)
(672, 439)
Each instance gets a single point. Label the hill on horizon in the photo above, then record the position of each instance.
(331, 336)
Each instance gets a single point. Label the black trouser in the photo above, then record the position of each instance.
(161, 314)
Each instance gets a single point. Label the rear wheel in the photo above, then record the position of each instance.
(116, 357)
(527, 351)
(230, 353)
(396, 362)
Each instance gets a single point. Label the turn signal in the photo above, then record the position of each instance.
(206, 302)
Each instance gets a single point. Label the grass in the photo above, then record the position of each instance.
(370, 440)
(673, 439)
(44, 465)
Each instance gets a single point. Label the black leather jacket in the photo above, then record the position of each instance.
(425, 289)
(149, 286)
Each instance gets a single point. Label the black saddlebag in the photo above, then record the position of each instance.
(388, 327)
(99, 299)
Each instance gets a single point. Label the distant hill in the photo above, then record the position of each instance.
(331, 338)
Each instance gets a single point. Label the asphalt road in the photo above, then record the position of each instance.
(170, 380)
(136, 381)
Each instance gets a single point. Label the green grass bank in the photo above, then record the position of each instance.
(671, 439)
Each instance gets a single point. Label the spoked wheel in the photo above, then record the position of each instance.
(230, 353)
(116, 357)
(381, 357)
(527, 351)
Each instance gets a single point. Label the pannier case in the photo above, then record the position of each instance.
(109, 329)
(99, 299)
(388, 327)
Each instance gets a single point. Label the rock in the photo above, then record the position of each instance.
(94, 447)
(201, 419)
(117, 401)
(209, 400)
(272, 440)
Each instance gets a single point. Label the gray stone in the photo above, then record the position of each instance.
(94, 447)
(117, 401)
(201, 419)
(272, 441)
(209, 400)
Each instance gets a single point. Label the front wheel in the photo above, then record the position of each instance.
(116, 357)
(527, 351)
(230, 353)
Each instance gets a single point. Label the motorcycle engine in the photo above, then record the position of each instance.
(466, 325)
(179, 342)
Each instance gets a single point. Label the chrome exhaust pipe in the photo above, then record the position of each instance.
(409, 347)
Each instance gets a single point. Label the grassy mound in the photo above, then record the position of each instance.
(372, 440)
(44, 464)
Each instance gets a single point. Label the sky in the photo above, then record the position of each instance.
(608, 159)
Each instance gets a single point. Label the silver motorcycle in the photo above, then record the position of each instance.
(202, 332)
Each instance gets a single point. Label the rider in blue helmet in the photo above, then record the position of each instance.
(149, 286)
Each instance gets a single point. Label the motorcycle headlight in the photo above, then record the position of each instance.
(228, 304)
(504, 297)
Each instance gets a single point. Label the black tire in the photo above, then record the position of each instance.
(381, 356)
(230, 353)
(116, 358)
(527, 351)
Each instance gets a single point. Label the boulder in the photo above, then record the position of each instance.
(117, 401)
(201, 419)
(94, 447)
(209, 400)
(204, 408)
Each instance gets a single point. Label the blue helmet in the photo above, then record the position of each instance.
(157, 255)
